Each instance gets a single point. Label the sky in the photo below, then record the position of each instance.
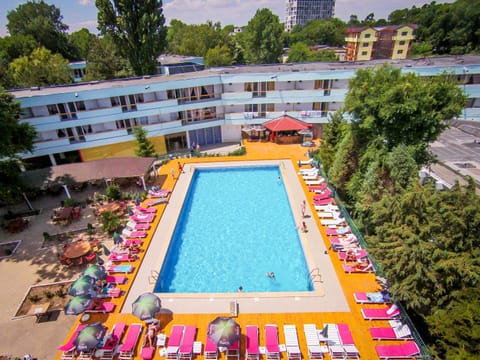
(78, 14)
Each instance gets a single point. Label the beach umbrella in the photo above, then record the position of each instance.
(78, 304)
(82, 286)
(89, 337)
(97, 272)
(224, 331)
(146, 306)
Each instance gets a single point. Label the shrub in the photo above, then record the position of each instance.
(48, 294)
(70, 202)
(110, 221)
(46, 236)
(60, 293)
(34, 298)
(239, 152)
(114, 192)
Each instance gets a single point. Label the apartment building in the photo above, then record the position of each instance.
(379, 42)
(94, 120)
(299, 12)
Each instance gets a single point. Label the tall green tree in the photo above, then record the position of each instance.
(15, 138)
(299, 52)
(104, 62)
(137, 29)
(263, 38)
(81, 41)
(328, 32)
(144, 147)
(40, 68)
(43, 22)
(218, 56)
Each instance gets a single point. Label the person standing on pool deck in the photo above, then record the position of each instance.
(304, 208)
(172, 171)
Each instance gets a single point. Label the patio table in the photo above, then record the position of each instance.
(77, 249)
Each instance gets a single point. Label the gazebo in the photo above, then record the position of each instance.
(286, 130)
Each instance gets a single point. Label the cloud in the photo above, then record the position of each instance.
(90, 25)
(85, 2)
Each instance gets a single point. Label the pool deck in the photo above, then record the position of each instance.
(30, 265)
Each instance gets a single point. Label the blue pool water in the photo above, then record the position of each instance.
(236, 225)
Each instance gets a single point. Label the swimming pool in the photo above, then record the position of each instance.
(235, 225)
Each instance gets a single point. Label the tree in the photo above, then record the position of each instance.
(145, 147)
(43, 22)
(137, 29)
(330, 32)
(263, 38)
(40, 68)
(323, 55)
(104, 62)
(218, 56)
(299, 52)
(81, 41)
(15, 138)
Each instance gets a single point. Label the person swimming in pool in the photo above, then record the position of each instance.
(271, 275)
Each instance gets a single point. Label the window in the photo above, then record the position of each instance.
(364, 53)
(114, 100)
(365, 44)
(52, 109)
(80, 105)
(26, 113)
(399, 51)
(401, 42)
(367, 36)
(404, 33)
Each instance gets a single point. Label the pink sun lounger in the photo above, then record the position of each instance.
(322, 202)
(156, 202)
(325, 194)
(385, 313)
(389, 333)
(375, 297)
(69, 346)
(211, 350)
(186, 348)
(406, 350)
(233, 351)
(252, 351)
(134, 234)
(174, 341)
(107, 307)
(132, 225)
(115, 279)
(136, 241)
(127, 349)
(341, 231)
(272, 348)
(318, 188)
(147, 218)
(113, 339)
(359, 254)
(145, 209)
(159, 194)
(122, 257)
(348, 344)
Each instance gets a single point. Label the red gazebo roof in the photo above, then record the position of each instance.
(286, 123)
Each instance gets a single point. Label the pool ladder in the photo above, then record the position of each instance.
(152, 279)
(315, 276)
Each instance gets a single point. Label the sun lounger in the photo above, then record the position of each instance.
(308, 171)
(323, 195)
(358, 254)
(120, 269)
(159, 193)
(318, 188)
(115, 279)
(109, 292)
(136, 241)
(68, 349)
(122, 257)
(132, 226)
(348, 344)
(312, 176)
(272, 350)
(396, 331)
(156, 202)
(252, 351)
(349, 239)
(305, 162)
(407, 350)
(133, 234)
(333, 222)
(145, 209)
(291, 342)
(341, 231)
(313, 342)
(317, 181)
(127, 349)
(112, 340)
(143, 218)
(174, 341)
(211, 350)
(386, 313)
(233, 351)
(106, 307)
(186, 348)
(329, 214)
(376, 297)
(358, 269)
(323, 202)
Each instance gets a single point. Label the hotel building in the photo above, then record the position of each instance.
(94, 120)
(299, 12)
